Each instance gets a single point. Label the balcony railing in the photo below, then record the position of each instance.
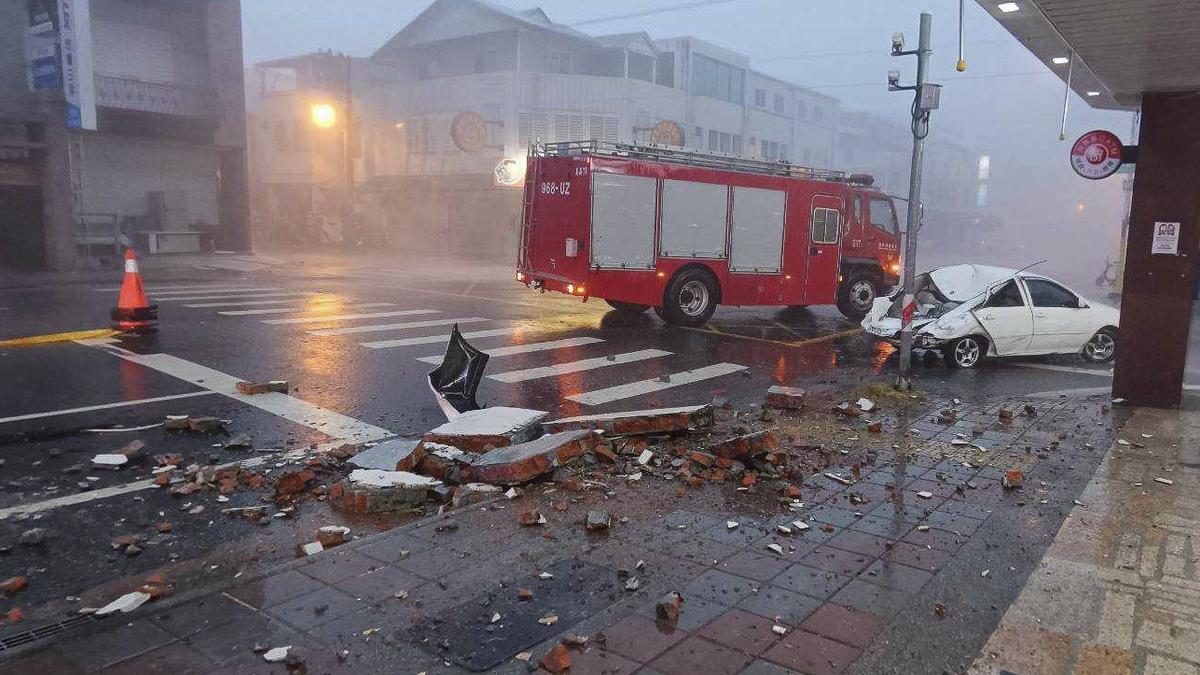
(155, 97)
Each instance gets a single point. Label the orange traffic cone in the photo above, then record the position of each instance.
(134, 313)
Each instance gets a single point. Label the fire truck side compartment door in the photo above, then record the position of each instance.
(824, 249)
(623, 211)
(693, 219)
(758, 217)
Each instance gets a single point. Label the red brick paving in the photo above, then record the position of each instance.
(596, 661)
(697, 655)
(742, 631)
(812, 654)
(844, 624)
(920, 557)
(639, 639)
(837, 561)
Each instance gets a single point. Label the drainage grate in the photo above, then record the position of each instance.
(42, 632)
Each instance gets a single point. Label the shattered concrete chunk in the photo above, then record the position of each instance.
(638, 422)
(205, 425)
(333, 535)
(525, 461)
(865, 404)
(482, 430)
(397, 454)
(33, 537)
(311, 548)
(133, 450)
(790, 398)
(473, 493)
(238, 442)
(376, 491)
(277, 654)
(124, 604)
(597, 520)
(176, 422)
(109, 461)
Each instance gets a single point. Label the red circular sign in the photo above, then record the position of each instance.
(1096, 155)
(468, 130)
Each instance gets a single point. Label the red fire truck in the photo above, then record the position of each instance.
(683, 231)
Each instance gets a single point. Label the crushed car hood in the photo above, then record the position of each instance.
(958, 289)
(962, 282)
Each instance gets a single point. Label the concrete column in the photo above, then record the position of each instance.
(1156, 304)
(58, 206)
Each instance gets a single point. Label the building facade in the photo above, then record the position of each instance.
(443, 115)
(122, 123)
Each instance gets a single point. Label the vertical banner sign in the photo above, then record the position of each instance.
(75, 46)
(41, 47)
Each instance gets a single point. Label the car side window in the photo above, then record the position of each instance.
(1007, 296)
(883, 216)
(1044, 293)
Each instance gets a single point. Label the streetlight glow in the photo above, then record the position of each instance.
(324, 115)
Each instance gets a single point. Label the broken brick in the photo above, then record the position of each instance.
(638, 422)
(792, 491)
(488, 428)
(292, 482)
(525, 594)
(14, 584)
(444, 462)
(604, 452)
(1005, 414)
(163, 527)
(332, 535)
(133, 450)
(790, 398)
(255, 388)
(168, 459)
(875, 427)
(1013, 478)
(530, 518)
(375, 491)
(668, 607)
(557, 660)
(749, 445)
(176, 422)
(749, 479)
(597, 521)
(525, 461)
(702, 458)
(205, 425)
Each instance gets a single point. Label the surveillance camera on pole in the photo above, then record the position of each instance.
(927, 97)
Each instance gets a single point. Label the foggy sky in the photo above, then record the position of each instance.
(1007, 104)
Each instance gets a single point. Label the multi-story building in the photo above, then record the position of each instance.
(444, 113)
(122, 122)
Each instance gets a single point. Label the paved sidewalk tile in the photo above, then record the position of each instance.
(697, 655)
(108, 647)
(812, 654)
(720, 587)
(639, 639)
(275, 589)
(313, 609)
(773, 601)
(843, 624)
(742, 631)
(811, 581)
(176, 659)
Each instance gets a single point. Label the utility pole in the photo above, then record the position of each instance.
(925, 100)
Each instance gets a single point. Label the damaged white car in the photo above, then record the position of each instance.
(969, 312)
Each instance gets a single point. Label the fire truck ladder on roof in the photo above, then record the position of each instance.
(674, 155)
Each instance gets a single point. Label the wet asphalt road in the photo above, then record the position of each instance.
(740, 354)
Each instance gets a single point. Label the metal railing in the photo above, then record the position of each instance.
(155, 97)
(674, 155)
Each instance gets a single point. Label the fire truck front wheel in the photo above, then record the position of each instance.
(690, 298)
(857, 293)
(627, 307)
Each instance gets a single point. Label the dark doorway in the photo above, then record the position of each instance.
(22, 232)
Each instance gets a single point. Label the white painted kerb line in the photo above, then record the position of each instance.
(350, 330)
(529, 348)
(350, 317)
(104, 406)
(622, 391)
(577, 366)
(435, 339)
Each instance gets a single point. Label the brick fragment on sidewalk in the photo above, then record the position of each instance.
(397, 454)
(668, 607)
(375, 491)
(749, 445)
(636, 422)
(790, 398)
(482, 430)
(525, 461)
(444, 462)
(254, 388)
(557, 660)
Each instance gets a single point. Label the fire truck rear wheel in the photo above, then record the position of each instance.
(691, 298)
(627, 307)
(857, 293)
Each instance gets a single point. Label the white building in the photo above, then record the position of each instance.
(467, 86)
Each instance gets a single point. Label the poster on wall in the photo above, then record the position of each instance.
(75, 49)
(41, 46)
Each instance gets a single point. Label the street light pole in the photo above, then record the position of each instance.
(925, 99)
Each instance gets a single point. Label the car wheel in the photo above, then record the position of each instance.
(1102, 347)
(691, 298)
(856, 294)
(965, 352)
(627, 307)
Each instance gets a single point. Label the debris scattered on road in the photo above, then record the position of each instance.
(548, 620)
(865, 404)
(925, 494)
(638, 422)
(333, 535)
(14, 585)
(239, 442)
(397, 454)
(205, 425)
(124, 604)
(276, 654)
(557, 660)
(789, 398)
(255, 388)
(481, 430)
(33, 537)
(669, 606)
(779, 630)
(597, 520)
(1164, 481)
(1013, 478)
(112, 461)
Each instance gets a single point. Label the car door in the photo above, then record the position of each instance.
(1006, 317)
(1060, 325)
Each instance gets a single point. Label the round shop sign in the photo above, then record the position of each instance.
(1096, 155)
(468, 131)
(667, 132)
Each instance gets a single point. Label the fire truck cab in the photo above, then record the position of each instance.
(682, 232)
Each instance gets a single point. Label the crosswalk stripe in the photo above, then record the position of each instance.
(239, 296)
(349, 317)
(231, 289)
(434, 339)
(577, 366)
(621, 391)
(262, 303)
(349, 330)
(293, 310)
(525, 348)
(169, 289)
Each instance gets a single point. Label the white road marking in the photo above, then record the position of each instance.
(217, 296)
(434, 339)
(231, 289)
(103, 406)
(349, 330)
(168, 289)
(136, 486)
(296, 410)
(1066, 369)
(263, 303)
(577, 366)
(621, 391)
(525, 349)
(296, 310)
(350, 317)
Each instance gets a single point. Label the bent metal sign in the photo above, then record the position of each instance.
(1096, 155)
